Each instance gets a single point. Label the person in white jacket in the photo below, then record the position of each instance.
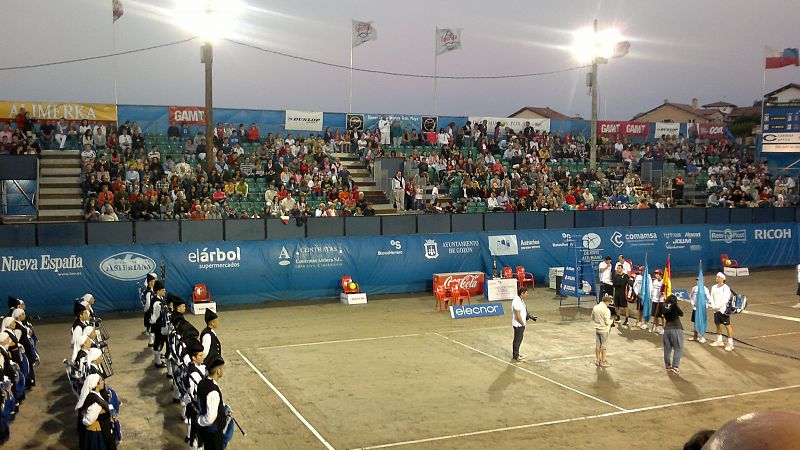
(798, 287)
(719, 298)
(693, 299)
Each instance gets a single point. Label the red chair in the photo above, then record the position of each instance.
(524, 277)
(200, 294)
(724, 258)
(507, 273)
(462, 295)
(346, 281)
(444, 297)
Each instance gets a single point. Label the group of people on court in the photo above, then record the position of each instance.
(621, 288)
(88, 369)
(18, 357)
(193, 362)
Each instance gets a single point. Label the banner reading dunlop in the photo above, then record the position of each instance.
(55, 111)
(303, 120)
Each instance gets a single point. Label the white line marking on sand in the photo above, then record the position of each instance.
(576, 419)
(341, 341)
(535, 374)
(773, 316)
(774, 335)
(286, 402)
(564, 358)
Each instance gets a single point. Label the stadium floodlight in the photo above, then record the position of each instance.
(210, 19)
(595, 47)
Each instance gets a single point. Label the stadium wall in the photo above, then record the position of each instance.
(244, 272)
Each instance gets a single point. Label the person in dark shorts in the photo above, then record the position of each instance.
(620, 280)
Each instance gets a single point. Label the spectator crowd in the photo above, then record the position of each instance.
(478, 167)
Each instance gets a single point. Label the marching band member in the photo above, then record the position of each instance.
(213, 414)
(208, 337)
(156, 316)
(95, 421)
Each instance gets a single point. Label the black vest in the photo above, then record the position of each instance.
(215, 350)
(205, 387)
(104, 419)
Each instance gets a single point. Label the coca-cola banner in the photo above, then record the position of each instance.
(471, 282)
(711, 130)
(626, 128)
(190, 115)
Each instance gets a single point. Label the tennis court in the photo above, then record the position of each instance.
(395, 373)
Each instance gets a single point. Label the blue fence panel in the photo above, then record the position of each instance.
(18, 235)
(433, 223)
(362, 226)
(668, 216)
(534, 220)
(560, 219)
(588, 219)
(461, 223)
(692, 216)
(718, 216)
(498, 222)
(741, 215)
(617, 218)
(62, 234)
(245, 230)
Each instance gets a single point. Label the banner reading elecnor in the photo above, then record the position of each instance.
(189, 115)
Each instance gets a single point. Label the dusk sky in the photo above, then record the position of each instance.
(712, 50)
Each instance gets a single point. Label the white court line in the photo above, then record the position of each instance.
(773, 316)
(286, 402)
(341, 341)
(576, 419)
(535, 374)
(773, 335)
(564, 358)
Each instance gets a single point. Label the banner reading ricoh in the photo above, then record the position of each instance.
(55, 111)
(515, 123)
(303, 120)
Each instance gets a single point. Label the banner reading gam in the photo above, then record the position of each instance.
(626, 128)
(303, 120)
(190, 115)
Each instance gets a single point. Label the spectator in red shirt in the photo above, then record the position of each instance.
(252, 133)
(104, 196)
(19, 119)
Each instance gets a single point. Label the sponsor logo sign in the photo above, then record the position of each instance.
(429, 123)
(667, 129)
(461, 247)
(470, 281)
(215, 258)
(355, 122)
(777, 233)
(319, 256)
(127, 266)
(190, 115)
(395, 249)
(634, 239)
(61, 265)
(711, 130)
(781, 142)
(303, 120)
(678, 241)
(503, 245)
(532, 244)
(481, 310)
(431, 249)
(626, 128)
(727, 236)
(516, 124)
(283, 258)
(46, 111)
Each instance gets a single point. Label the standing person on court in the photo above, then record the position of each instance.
(693, 299)
(212, 348)
(798, 287)
(399, 191)
(638, 282)
(620, 279)
(719, 298)
(519, 313)
(605, 269)
(156, 306)
(673, 335)
(657, 295)
(601, 316)
(626, 266)
(212, 415)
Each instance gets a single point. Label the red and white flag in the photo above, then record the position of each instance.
(117, 9)
(447, 39)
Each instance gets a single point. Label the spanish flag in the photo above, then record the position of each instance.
(667, 284)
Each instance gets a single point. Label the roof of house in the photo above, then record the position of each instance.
(781, 89)
(745, 110)
(720, 105)
(544, 112)
(701, 112)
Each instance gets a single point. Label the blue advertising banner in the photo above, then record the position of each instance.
(242, 272)
(470, 311)
(405, 120)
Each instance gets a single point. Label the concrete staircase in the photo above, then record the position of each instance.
(366, 183)
(60, 195)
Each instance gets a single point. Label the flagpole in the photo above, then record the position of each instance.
(114, 58)
(435, 72)
(760, 149)
(350, 89)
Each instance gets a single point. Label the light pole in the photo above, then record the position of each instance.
(596, 47)
(207, 58)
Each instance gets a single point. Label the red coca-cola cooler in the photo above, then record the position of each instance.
(471, 281)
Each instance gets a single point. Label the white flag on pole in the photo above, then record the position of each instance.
(447, 39)
(363, 32)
